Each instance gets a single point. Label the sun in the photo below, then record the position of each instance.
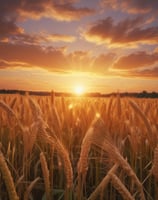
(79, 90)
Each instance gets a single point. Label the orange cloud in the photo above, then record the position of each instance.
(4, 64)
(60, 37)
(80, 61)
(67, 12)
(33, 56)
(126, 32)
(103, 62)
(24, 55)
(8, 27)
(132, 6)
(61, 10)
(11, 12)
(140, 64)
(148, 73)
(136, 60)
(36, 39)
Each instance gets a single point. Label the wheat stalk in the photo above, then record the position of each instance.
(46, 177)
(118, 103)
(120, 187)
(30, 187)
(102, 185)
(49, 137)
(145, 120)
(115, 155)
(53, 97)
(10, 112)
(8, 178)
(97, 131)
(96, 136)
(155, 163)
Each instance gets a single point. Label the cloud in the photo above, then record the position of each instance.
(55, 60)
(8, 27)
(148, 73)
(136, 60)
(125, 33)
(132, 6)
(103, 62)
(66, 11)
(83, 61)
(61, 10)
(52, 59)
(152, 73)
(5, 64)
(59, 37)
(33, 56)
(36, 39)
(11, 12)
(80, 60)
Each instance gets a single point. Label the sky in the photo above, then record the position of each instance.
(103, 45)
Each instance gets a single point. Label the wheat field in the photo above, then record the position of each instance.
(78, 148)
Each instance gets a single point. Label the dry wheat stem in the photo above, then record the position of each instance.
(96, 132)
(102, 185)
(96, 136)
(155, 163)
(119, 186)
(46, 176)
(8, 178)
(115, 155)
(8, 109)
(49, 137)
(145, 120)
(12, 113)
(30, 188)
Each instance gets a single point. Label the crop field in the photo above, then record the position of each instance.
(78, 148)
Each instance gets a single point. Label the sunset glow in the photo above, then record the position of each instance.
(113, 44)
(79, 90)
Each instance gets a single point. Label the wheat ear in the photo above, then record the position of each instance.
(46, 177)
(145, 120)
(96, 132)
(10, 112)
(8, 178)
(155, 163)
(115, 155)
(49, 137)
(119, 186)
(102, 185)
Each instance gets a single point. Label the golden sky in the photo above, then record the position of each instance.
(104, 45)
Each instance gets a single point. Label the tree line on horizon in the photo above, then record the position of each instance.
(142, 94)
